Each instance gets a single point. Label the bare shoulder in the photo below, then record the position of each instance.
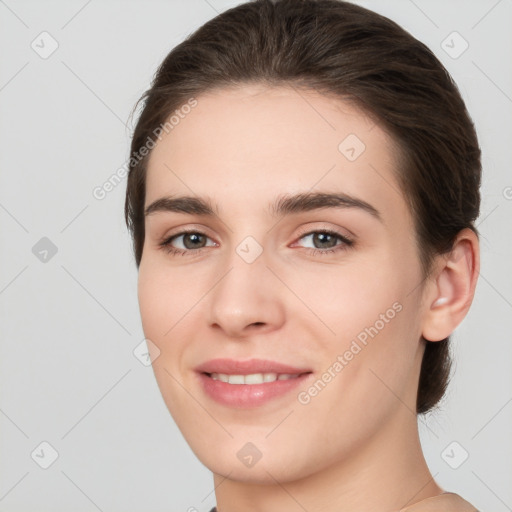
(446, 502)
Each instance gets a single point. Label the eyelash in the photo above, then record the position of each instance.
(346, 243)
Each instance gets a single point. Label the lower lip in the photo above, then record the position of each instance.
(248, 395)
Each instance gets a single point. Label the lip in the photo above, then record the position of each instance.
(234, 367)
(248, 395)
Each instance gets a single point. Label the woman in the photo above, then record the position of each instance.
(302, 194)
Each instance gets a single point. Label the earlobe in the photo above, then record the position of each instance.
(450, 293)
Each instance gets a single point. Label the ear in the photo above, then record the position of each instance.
(451, 288)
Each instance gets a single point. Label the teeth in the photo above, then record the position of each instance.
(257, 378)
(236, 379)
(253, 378)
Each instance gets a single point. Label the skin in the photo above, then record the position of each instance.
(355, 445)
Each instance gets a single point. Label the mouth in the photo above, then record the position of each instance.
(252, 378)
(248, 384)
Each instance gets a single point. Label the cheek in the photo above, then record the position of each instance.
(373, 320)
(164, 300)
(162, 303)
(165, 296)
(349, 299)
(152, 296)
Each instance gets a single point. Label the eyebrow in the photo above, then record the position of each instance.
(283, 205)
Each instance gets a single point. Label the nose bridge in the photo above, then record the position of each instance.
(246, 293)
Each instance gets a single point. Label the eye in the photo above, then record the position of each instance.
(191, 242)
(326, 241)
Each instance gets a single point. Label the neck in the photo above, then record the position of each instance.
(389, 473)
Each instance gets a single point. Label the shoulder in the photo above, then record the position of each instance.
(445, 502)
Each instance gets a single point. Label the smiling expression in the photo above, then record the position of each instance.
(276, 235)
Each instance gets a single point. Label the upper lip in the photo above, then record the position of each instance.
(247, 367)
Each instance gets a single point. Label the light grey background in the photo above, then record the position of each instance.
(69, 325)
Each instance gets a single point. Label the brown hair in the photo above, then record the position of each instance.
(341, 49)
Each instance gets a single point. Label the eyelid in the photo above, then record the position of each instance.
(187, 228)
(348, 235)
(166, 241)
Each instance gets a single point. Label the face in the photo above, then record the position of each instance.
(282, 298)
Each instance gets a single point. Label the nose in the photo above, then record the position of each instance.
(247, 299)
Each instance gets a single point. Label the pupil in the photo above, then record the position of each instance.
(192, 236)
(323, 238)
(194, 239)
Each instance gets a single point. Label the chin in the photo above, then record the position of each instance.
(258, 462)
(260, 473)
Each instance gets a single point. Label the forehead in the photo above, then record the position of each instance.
(248, 142)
